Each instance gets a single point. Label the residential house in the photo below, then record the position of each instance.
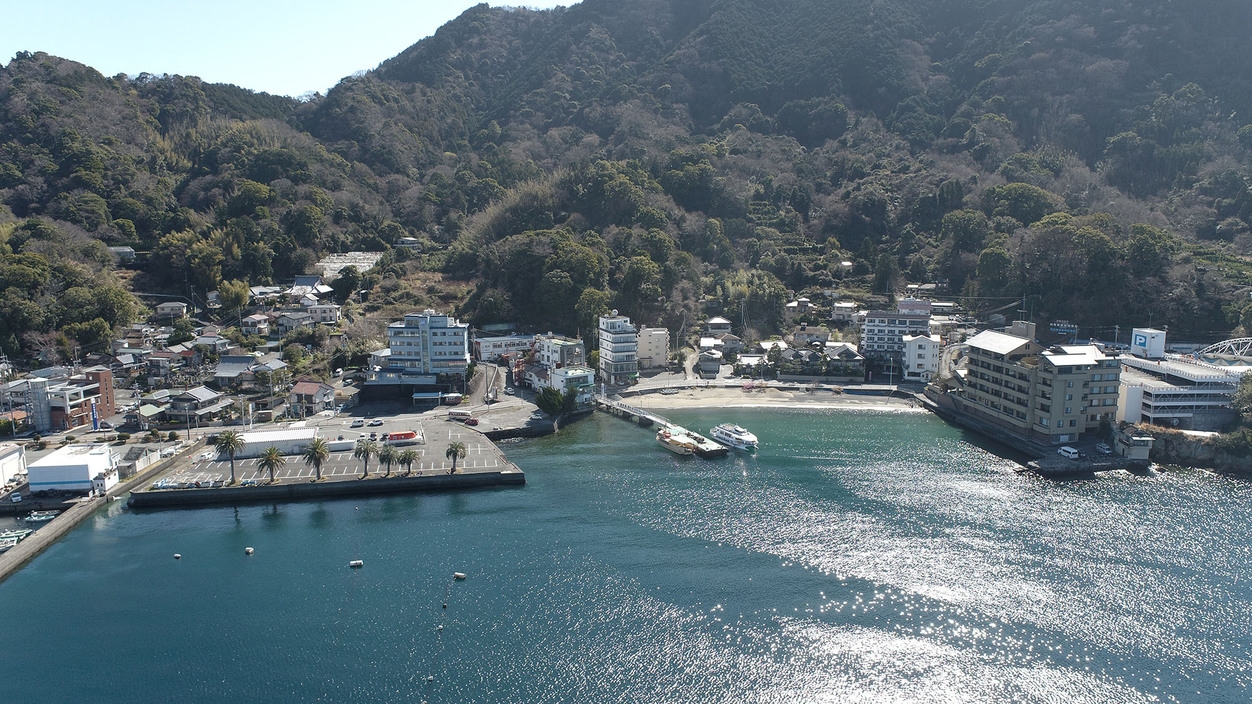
(215, 344)
(197, 405)
(233, 370)
(716, 326)
(796, 308)
(170, 310)
(709, 363)
(731, 344)
(309, 398)
(324, 313)
(804, 336)
(256, 324)
(844, 312)
(293, 320)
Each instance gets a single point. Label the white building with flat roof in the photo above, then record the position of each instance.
(428, 343)
(72, 468)
(921, 356)
(290, 441)
(489, 349)
(12, 461)
(619, 350)
(653, 347)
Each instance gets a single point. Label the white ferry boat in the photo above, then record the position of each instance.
(732, 435)
(675, 442)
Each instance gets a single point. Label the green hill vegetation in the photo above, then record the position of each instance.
(669, 159)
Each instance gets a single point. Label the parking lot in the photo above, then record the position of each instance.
(208, 469)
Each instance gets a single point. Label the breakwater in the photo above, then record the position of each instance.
(170, 498)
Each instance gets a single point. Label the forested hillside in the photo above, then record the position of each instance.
(667, 158)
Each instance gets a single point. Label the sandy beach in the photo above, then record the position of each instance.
(735, 397)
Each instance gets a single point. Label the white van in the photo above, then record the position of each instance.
(1068, 452)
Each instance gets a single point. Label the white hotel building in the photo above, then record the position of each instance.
(426, 344)
(619, 350)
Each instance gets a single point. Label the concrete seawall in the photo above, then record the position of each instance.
(296, 491)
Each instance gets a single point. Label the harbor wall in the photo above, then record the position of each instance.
(167, 498)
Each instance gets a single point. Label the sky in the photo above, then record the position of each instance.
(275, 46)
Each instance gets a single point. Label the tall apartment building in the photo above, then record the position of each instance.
(883, 331)
(653, 347)
(428, 343)
(619, 350)
(1050, 395)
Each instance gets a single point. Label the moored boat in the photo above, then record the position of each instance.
(7, 543)
(17, 534)
(41, 516)
(735, 436)
(675, 441)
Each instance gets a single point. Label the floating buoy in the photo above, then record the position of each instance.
(247, 551)
(445, 604)
(439, 628)
(177, 556)
(458, 575)
(356, 563)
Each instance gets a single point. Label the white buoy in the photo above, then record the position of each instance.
(247, 551)
(356, 563)
(178, 556)
(458, 575)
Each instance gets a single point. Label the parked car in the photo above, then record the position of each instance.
(358, 423)
(376, 422)
(509, 390)
(471, 421)
(1103, 448)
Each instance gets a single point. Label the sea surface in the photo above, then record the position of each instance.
(857, 557)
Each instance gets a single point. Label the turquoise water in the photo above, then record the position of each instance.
(857, 557)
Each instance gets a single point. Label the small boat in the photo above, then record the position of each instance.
(7, 543)
(356, 563)
(178, 556)
(18, 534)
(247, 551)
(458, 575)
(735, 436)
(41, 516)
(676, 441)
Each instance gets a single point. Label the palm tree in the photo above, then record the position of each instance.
(315, 454)
(455, 450)
(272, 459)
(365, 449)
(387, 455)
(406, 460)
(230, 442)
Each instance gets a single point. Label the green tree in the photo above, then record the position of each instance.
(455, 451)
(550, 401)
(1241, 400)
(316, 454)
(406, 460)
(271, 461)
(365, 449)
(233, 295)
(230, 442)
(387, 455)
